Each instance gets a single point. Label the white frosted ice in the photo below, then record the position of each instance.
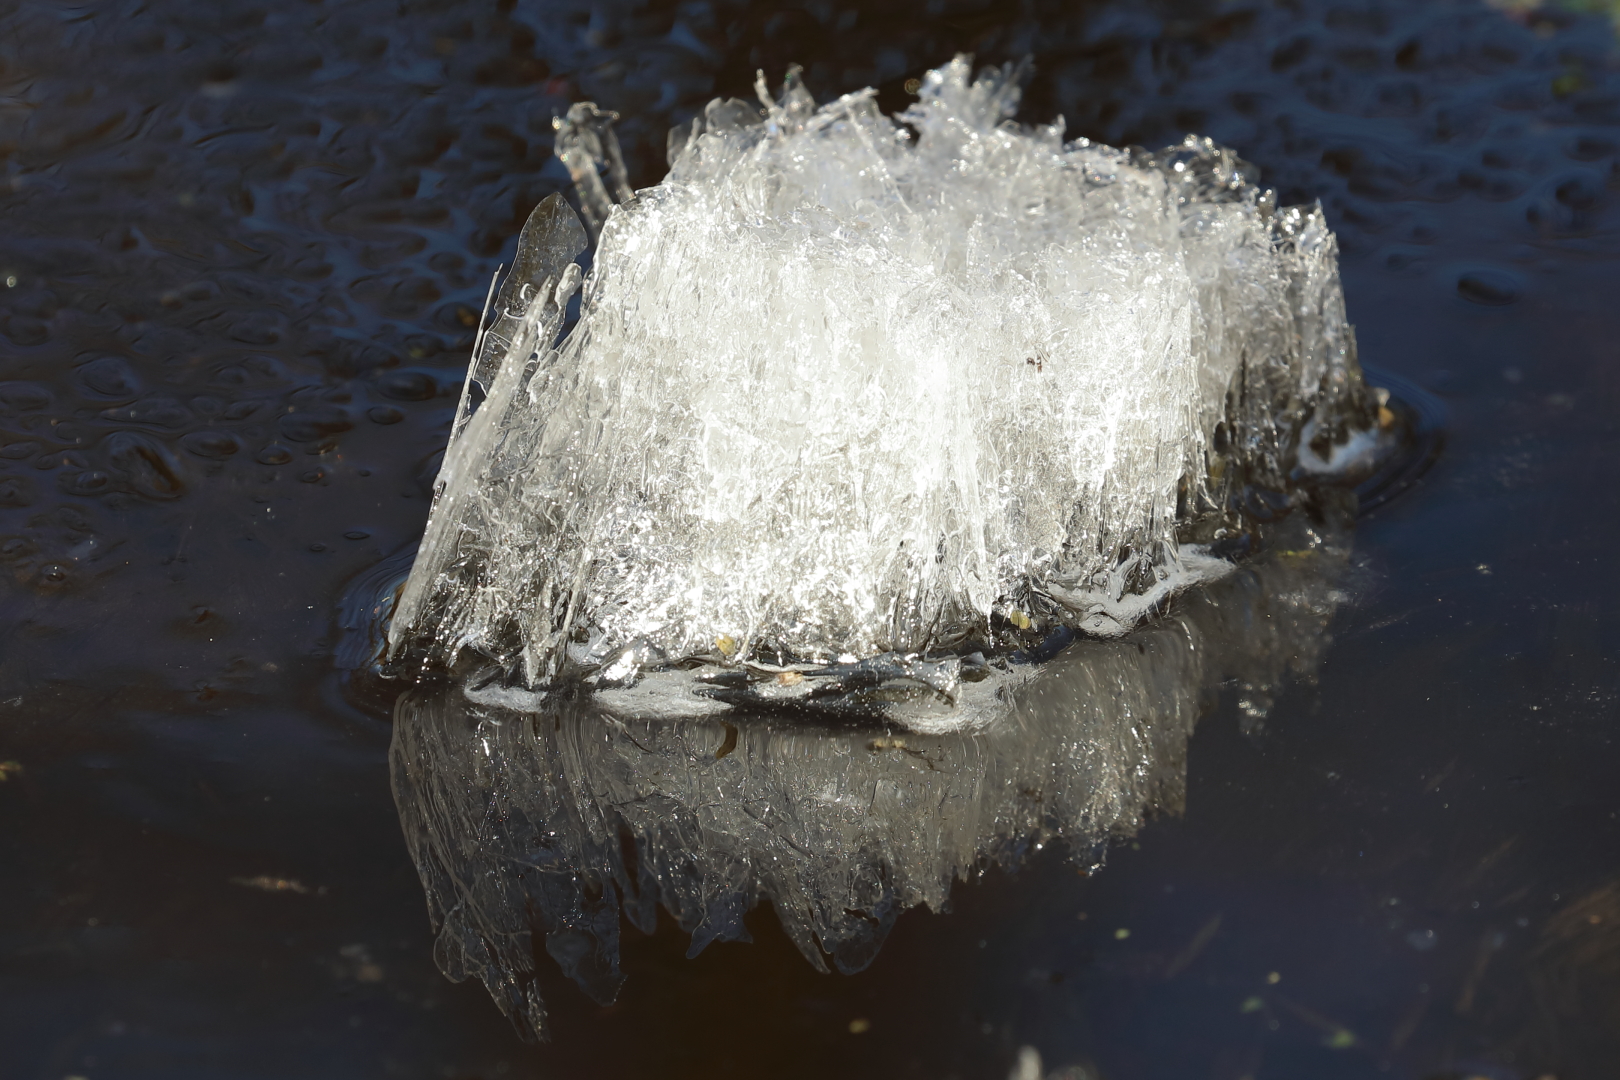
(845, 385)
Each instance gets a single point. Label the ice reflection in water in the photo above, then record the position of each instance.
(550, 823)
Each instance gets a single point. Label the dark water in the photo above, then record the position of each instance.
(248, 244)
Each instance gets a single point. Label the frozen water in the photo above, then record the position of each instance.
(898, 419)
(535, 829)
(846, 387)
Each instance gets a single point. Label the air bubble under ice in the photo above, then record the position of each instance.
(845, 385)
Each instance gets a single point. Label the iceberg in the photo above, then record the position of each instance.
(857, 406)
(536, 829)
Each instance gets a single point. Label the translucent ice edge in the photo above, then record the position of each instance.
(846, 387)
(928, 695)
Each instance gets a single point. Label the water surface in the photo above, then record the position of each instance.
(249, 244)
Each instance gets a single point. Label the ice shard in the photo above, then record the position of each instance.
(534, 830)
(849, 390)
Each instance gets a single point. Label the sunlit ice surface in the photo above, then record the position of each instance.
(848, 391)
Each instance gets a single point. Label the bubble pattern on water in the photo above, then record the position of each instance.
(227, 263)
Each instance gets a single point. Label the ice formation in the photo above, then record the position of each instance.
(534, 830)
(845, 386)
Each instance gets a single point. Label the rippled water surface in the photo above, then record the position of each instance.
(243, 248)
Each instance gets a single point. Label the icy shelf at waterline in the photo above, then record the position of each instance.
(845, 386)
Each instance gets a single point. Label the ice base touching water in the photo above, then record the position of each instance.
(844, 387)
(535, 829)
(900, 425)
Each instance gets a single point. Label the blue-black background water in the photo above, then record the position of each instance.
(243, 246)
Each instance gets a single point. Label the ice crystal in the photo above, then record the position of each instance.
(845, 386)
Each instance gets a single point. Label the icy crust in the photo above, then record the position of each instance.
(845, 385)
(930, 695)
(536, 829)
